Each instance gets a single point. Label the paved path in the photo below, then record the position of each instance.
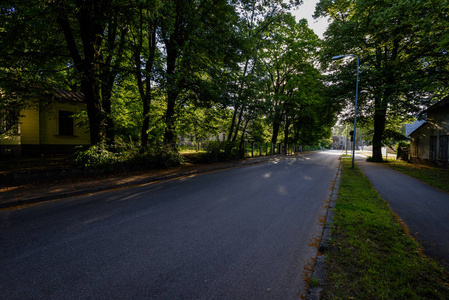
(424, 209)
(241, 233)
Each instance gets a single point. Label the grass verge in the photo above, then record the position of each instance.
(370, 255)
(436, 177)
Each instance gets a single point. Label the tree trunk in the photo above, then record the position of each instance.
(94, 113)
(286, 134)
(231, 127)
(92, 17)
(169, 134)
(109, 122)
(276, 128)
(144, 85)
(109, 75)
(379, 128)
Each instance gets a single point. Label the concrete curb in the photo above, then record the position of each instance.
(319, 269)
(67, 194)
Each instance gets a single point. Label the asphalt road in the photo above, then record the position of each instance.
(243, 233)
(423, 208)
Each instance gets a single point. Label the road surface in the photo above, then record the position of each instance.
(242, 233)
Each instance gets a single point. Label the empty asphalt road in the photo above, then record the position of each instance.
(242, 233)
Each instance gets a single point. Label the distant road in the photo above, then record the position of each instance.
(242, 233)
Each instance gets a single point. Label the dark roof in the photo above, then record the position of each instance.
(418, 129)
(439, 105)
(68, 95)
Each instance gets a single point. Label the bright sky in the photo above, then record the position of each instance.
(306, 11)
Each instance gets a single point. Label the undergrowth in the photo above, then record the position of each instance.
(109, 157)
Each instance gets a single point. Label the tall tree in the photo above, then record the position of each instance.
(88, 18)
(287, 61)
(144, 54)
(256, 17)
(194, 34)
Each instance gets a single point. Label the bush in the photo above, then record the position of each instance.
(221, 151)
(403, 144)
(97, 156)
(158, 158)
(102, 156)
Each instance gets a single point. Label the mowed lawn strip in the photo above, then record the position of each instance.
(370, 254)
(436, 177)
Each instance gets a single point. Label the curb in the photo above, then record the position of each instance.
(319, 269)
(32, 200)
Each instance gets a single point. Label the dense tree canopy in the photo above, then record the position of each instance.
(400, 67)
(155, 70)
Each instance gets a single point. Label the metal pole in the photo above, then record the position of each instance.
(355, 113)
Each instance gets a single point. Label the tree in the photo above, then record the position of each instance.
(391, 39)
(197, 39)
(287, 61)
(145, 54)
(256, 17)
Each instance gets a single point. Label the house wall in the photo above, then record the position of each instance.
(437, 126)
(28, 134)
(29, 127)
(50, 140)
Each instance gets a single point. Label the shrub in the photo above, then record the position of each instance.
(158, 157)
(102, 156)
(97, 156)
(221, 151)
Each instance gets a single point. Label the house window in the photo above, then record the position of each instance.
(433, 147)
(443, 147)
(66, 123)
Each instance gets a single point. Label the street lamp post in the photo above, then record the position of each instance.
(356, 97)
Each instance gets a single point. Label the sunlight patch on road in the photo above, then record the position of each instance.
(282, 190)
(267, 175)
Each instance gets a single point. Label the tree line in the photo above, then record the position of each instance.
(154, 70)
(157, 69)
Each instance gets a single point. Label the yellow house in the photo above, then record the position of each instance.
(50, 130)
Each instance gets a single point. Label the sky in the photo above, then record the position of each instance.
(306, 11)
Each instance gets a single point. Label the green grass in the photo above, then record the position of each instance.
(436, 177)
(370, 255)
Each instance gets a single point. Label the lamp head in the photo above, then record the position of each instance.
(338, 57)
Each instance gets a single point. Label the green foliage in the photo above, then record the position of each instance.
(221, 151)
(404, 144)
(437, 177)
(397, 43)
(97, 156)
(153, 70)
(126, 155)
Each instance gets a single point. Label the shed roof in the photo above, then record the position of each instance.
(68, 95)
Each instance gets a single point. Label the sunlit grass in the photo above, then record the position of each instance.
(370, 255)
(437, 177)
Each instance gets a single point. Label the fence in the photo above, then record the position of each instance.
(254, 149)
